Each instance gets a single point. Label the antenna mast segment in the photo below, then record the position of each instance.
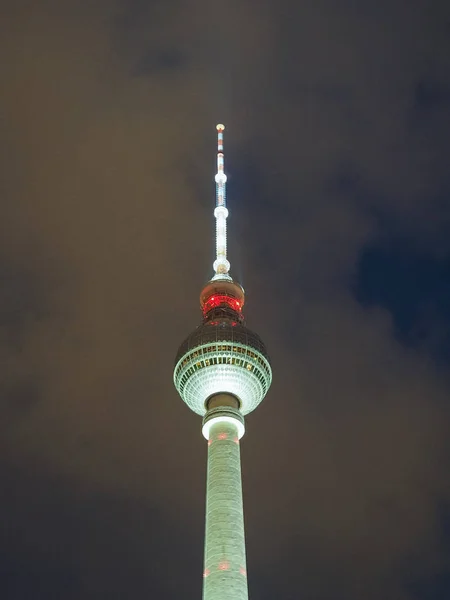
(221, 264)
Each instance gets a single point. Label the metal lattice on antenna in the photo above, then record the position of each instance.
(221, 264)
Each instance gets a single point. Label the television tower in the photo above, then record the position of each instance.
(222, 372)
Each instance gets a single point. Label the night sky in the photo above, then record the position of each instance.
(337, 152)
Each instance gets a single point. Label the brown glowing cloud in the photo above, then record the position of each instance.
(106, 239)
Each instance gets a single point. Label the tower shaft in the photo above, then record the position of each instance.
(225, 575)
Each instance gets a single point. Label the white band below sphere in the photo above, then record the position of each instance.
(223, 419)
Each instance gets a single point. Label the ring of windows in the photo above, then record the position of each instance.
(199, 353)
(207, 356)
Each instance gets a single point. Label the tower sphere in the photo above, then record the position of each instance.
(222, 358)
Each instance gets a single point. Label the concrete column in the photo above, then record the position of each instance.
(225, 574)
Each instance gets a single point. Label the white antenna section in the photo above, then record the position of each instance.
(221, 264)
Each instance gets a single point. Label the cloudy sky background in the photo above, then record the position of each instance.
(337, 149)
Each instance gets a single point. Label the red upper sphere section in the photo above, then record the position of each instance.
(221, 300)
(222, 292)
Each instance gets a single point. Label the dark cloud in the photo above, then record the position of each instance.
(414, 288)
(337, 146)
(160, 60)
(86, 542)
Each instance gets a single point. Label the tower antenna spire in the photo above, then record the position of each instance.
(221, 264)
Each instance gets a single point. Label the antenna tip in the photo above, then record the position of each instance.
(220, 127)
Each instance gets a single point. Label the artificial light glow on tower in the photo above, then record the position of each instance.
(221, 265)
(222, 372)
